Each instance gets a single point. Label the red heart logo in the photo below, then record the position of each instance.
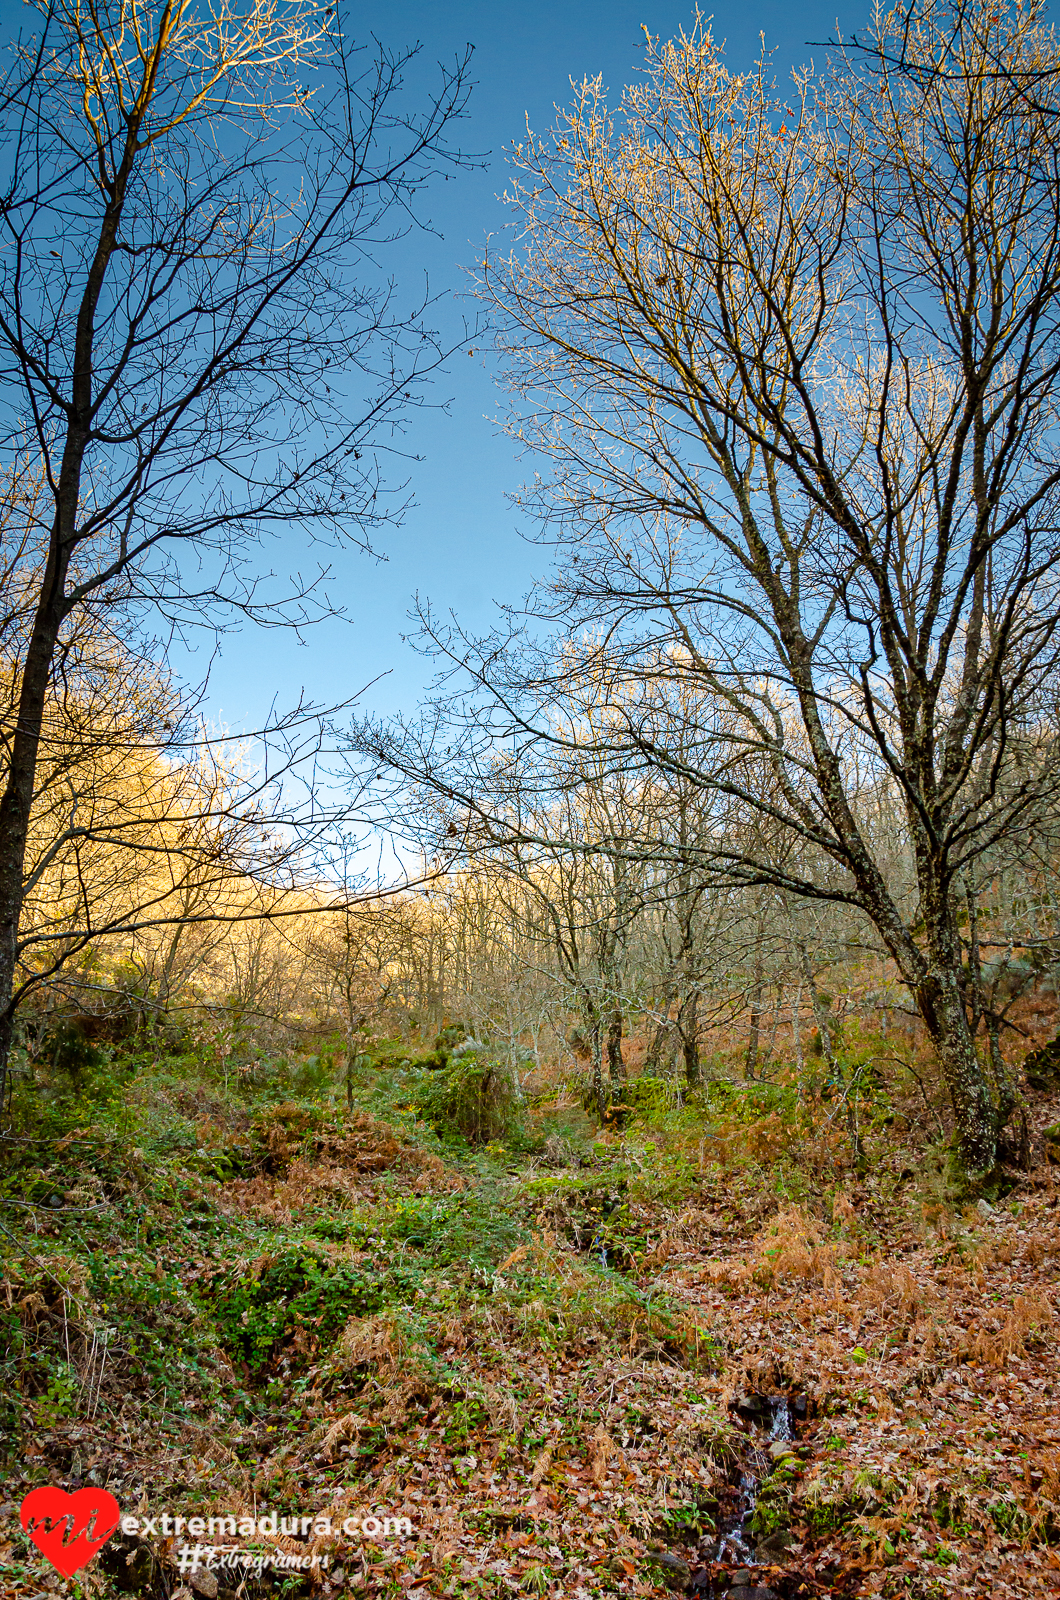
(68, 1529)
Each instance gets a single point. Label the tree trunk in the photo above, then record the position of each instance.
(942, 1008)
(822, 1015)
(1006, 1095)
(599, 1089)
(751, 1061)
(653, 1059)
(796, 1037)
(616, 1066)
(17, 799)
(688, 1031)
(593, 1040)
(51, 609)
(829, 1032)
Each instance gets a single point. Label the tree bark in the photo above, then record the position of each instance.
(751, 1059)
(688, 1031)
(616, 1066)
(17, 799)
(941, 1004)
(52, 606)
(653, 1059)
(593, 1039)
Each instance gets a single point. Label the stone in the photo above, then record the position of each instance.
(204, 1583)
(752, 1408)
(676, 1572)
(781, 1448)
(742, 1578)
(758, 1591)
(985, 1209)
(775, 1543)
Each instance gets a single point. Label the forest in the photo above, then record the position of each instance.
(595, 1131)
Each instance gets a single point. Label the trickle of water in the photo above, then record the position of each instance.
(735, 1540)
(781, 1426)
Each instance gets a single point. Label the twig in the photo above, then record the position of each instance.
(67, 1138)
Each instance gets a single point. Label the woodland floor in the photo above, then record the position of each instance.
(548, 1353)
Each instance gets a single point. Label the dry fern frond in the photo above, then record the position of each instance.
(541, 1466)
(1030, 1313)
(601, 1449)
(793, 1249)
(347, 1427)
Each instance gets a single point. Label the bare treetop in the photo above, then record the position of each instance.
(198, 342)
(794, 357)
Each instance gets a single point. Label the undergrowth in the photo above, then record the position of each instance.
(309, 1277)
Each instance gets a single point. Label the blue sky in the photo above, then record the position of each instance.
(460, 545)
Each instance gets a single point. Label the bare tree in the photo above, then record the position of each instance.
(691, 916)
(583, 897)
(551, 828)
(196, 346)
(795, 359)
(1022, 75)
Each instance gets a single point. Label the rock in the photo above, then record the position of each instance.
(758, 1591)
(742, 1578)
(677, 1574)
(781, 1448)
(204, 1582)
(753, 1408)
(775, 1543)
(985, 1209)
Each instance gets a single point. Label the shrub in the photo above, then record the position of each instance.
(472, 1095)
(298, 1298)
(652, 1096)
(449, 1036)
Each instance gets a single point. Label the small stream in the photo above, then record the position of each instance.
(773, 1420)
